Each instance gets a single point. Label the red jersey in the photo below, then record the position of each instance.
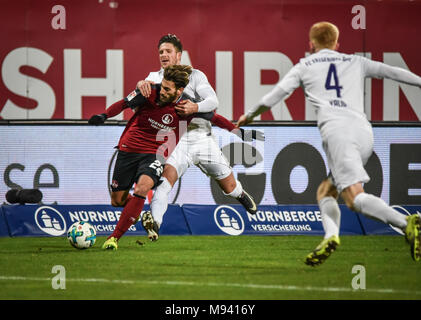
(152, 125)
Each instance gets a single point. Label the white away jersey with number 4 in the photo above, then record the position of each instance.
(335, 80)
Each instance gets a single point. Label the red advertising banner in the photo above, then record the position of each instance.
(70, 59)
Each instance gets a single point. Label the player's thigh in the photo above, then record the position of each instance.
(228, 183)
(145, 183)
(210, 159)
(180, 158)
(349, 194)
(149, 166)
(326, 189)
(170, 173)
(364, 136)
(346, 160)
(125, 171)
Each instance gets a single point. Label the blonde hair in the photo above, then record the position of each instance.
(324, 34)
(179, 74)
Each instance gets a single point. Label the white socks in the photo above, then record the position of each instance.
(367, 204)
(159, 204)
(238, 190)
(331, 216)
(375, 208)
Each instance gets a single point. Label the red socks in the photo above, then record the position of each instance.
(131, 211)
(129, 196)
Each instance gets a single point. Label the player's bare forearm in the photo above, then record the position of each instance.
(145, 87)
(224, 123)
(186, 108)
(243, 121)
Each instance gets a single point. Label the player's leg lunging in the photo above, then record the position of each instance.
(331, 217)
(131, 211)
(152, 220)
(375, 208)
(233, 188)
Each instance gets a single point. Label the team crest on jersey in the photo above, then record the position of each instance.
(167, 118)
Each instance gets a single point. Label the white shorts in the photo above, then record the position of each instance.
(202, 151)
(348, 145)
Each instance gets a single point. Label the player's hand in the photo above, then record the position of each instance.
(243, 121)
(98, 119)
(145, 87)
(249, 135)
(186, 107)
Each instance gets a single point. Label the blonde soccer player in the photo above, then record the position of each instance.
(334, 82)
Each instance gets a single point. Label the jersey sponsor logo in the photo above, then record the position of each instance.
(167, 118)
(229, 220)
(160, 126)
(50, 221)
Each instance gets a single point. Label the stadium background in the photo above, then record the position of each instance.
(53, 80)
(244, 47)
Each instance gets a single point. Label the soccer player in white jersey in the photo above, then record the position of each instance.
(334, 83)
(197, 146)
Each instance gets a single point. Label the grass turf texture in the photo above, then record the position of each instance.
(207, 268)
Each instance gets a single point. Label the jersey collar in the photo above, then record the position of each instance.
(326, 50)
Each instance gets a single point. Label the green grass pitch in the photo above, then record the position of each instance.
(209, 268)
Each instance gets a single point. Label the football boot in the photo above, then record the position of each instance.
(322, 251)
(150, 226)
(413, 236)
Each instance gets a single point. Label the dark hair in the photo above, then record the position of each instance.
(171, 38)
(179, 74)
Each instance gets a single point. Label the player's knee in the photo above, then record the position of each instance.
(141, 190)
(117, 200)
(349, 202)
(228, 187)
(170, 174)
(117, 203)
(350, 193)
(326, 189)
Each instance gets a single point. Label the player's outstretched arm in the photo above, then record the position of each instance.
(224, 123)
(247, 118)
(111, 111)
(133, 100)
(97, 119)
(283, 88)
(376, 69)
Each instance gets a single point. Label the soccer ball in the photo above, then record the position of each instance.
(81, 235)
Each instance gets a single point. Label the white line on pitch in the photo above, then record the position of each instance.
(216, 284)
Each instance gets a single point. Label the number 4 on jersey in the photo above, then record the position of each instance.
(333, 74)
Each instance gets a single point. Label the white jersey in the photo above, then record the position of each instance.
(199, 89)
(334, 83)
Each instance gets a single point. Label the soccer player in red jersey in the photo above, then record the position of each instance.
(197, 147)
(148, 139)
